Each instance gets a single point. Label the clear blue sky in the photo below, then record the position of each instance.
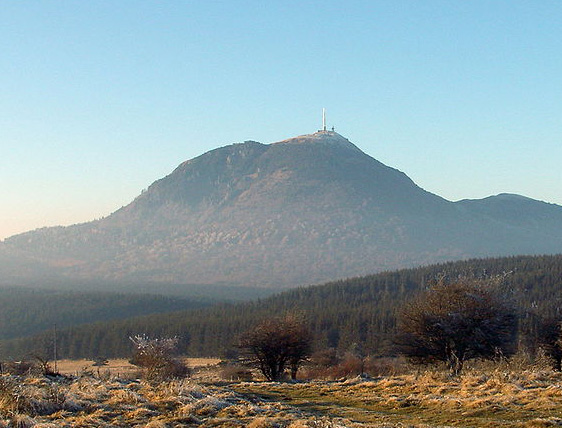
(98, 99)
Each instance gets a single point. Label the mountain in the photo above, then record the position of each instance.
(303, 210)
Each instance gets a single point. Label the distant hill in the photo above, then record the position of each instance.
(305, 210)
(26, 311)
(358, 310)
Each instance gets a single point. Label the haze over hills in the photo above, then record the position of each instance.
(304, 210)
(341, 313)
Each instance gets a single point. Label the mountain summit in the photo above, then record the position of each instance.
(326, 138)
(304, 210)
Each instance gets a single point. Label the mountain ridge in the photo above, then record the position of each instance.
(304, 210)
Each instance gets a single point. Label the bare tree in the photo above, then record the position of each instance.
(156, 356)
(276, 344)
(458, 321)
(45, 365)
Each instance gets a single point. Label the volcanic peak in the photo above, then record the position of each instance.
(328, 138)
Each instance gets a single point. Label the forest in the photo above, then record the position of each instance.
(27, 311)
(342, 314)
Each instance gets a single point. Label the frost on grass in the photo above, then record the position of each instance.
(431, 399)
(88, 401)
(488, 399)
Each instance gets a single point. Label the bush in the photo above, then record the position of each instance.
(325, 358)
(276, 344)
(457, 321)
(385, 366)
(156, 357)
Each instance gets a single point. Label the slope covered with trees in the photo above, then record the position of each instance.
(27, 311)
(340, 314)
(302, 211)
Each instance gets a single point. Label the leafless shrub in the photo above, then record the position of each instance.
(45, 365)
(329, 364)
(157, 358)
(325, 358)
(100, 362)
(385, 366)
(276, 344)
(458, 321)
(341, 367)
(350, 365)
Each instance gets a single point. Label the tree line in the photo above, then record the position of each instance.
(26, 311)
(453, 321)
(339, 315)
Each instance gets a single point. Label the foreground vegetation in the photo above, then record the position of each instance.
(501, 394)
(91, 402)
(429, 399)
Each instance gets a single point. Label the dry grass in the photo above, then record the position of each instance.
(476, 399)
(121, 367)
(88, 401)
(498, 396)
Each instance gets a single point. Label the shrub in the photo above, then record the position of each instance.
(156, 357)
(276, 344)
(457, 321)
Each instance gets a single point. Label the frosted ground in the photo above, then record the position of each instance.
(496, 398)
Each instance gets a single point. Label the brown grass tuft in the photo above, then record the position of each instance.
(261, 422)
(544, 423)
(157, 424)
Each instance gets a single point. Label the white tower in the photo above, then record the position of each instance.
(323, 119)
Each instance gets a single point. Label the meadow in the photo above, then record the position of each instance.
(491, 395)
(120, 367)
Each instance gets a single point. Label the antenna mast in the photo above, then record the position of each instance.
(323, 119)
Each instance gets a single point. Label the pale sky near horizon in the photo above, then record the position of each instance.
(100, 99)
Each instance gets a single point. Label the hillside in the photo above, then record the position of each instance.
(305, 210)
(359, 310)
(27, 311)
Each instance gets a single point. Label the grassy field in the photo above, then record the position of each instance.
(494, 397)
(86, 401)
(498, 399)
(120, 367)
